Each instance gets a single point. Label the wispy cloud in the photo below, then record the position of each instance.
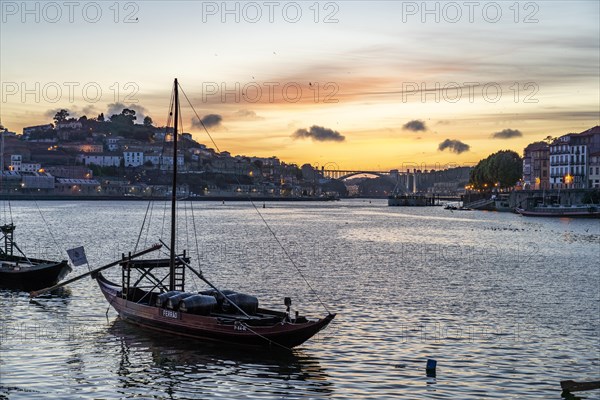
(507, 134)
(247, 115)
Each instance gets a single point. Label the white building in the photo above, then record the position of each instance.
(17, 164)
(72, 124)
(594, 170)
(568, 163)
(113, 143)
(101, 159)
(133, 158)
(162, 161)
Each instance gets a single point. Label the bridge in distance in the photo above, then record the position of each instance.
(341, 174)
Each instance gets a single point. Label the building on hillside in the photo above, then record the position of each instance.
(100, 159)
(28, 130)
(133, 158)
(536, 166)
(37, 182)
(594, 170)
(569, 159)
(69, 124)
(17, 164)
(77, 187)
(83, 147)
(69, 171)
(113, 143)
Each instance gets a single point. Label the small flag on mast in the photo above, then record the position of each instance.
(77, 256)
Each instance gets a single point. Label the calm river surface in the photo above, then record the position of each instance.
(507, 305)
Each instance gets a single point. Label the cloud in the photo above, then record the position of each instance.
(52, 112)
(319, 134)
(116, 108)
(246, 115)
(456, 146)
(507, 134)
(209, 121)
(74, 112)
(415, 126)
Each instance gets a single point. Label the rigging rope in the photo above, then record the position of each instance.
(47, 226)
(10, 212)
(148, 225)
(257, 211)
(142, 228)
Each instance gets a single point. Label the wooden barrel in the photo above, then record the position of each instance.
(173, 301)
(244, 301)
(198, 304)
(162, 298)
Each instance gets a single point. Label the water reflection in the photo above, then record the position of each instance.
(179, 367)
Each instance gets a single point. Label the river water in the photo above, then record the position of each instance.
(508, 306)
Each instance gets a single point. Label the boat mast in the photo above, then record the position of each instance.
(174, 190)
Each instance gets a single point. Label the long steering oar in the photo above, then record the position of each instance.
(94, 271)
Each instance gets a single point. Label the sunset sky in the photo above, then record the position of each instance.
(368, 62)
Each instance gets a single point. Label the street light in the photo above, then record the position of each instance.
(568, 179)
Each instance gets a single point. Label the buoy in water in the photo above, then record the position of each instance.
(430, 368)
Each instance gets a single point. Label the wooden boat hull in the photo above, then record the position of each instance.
(19, 274)
(211, 328)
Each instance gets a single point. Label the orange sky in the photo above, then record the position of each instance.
(365, 77)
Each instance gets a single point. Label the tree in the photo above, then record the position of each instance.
(148, 121)
(126, 118)
(61, 116)
(101, 117)
(504, 168)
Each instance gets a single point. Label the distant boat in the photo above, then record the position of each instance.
(152, 295)
(20, 272)
(574, 211)
(453, 207)
(410, 200)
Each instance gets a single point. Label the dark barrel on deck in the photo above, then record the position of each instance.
(244, 301)
(173, 301)
(162, 298)
(217, 295)
(198, 304)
